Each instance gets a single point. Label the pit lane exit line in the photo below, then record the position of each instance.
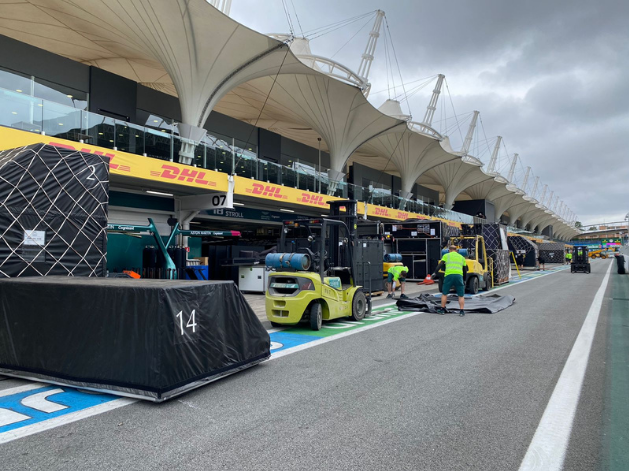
(547, 450)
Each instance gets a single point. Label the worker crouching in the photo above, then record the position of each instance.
(395, 275)
(455, 271)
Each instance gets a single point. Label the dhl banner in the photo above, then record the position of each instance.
(282, 194)
(274, 192)
(123, 163)
(146, 168)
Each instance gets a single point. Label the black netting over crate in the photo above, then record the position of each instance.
(449, 231)
(502, 265)
(495, 236)
(53, 212)
(524, 250)
(552, 252)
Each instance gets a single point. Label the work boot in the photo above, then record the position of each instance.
(441, 311)
(403, 296)
(461, 313)
(389, 296)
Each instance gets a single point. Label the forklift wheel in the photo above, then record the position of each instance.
(472, 285)
(588, 268)
(316, 316)
(359, 306)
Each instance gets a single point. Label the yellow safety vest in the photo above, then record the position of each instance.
(454, 263)
(396, 271)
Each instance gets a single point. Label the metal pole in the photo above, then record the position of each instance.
(233, 156)
(319, 176)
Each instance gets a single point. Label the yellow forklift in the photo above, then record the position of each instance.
(479, 266)
(316, 270)
(602, 253)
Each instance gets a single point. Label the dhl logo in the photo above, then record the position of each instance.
(267, 190)
(122, 168)
(312, 199)
(188, 175)
(402, 216)
(382, 212)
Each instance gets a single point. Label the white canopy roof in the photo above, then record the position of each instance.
(185, 48)
(489, 189)
(336, 111)
(189, 49)
(411, 152)
(454, 177)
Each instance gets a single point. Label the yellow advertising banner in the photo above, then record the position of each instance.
(123, 163)
(137, 166)
(282, 194)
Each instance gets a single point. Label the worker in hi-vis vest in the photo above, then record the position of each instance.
(395, 275)
(455, 270)
(568, 257)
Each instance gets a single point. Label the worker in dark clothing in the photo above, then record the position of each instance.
(455, 271)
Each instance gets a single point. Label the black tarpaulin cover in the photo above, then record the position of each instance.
(488, 304)
(53, 212)
(152, 339)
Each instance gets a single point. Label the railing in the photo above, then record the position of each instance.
(213, 152)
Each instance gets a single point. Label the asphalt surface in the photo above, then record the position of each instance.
(427, 392)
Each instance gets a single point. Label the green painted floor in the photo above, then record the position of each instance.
(617, 435)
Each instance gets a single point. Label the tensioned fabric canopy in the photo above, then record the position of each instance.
(454, 177)
(189, 49)
(489, 189)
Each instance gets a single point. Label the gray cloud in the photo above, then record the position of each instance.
(551, 77)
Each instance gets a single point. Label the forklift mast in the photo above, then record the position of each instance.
(350, 217)
(335, 245)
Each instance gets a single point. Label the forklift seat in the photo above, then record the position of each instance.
(343, 273)
(333, 281)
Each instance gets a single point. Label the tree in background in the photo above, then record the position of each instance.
(578, 224)
(592, 228)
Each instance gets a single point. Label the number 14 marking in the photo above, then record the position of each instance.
(191, 321)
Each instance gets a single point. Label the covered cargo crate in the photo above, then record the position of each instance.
(502, 266)
(151, 339)
(53, 212)
(552, 252)
(522, 246)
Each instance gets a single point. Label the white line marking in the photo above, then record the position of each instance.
(63, 420)
(547, 450)
(40, 401)
(341, 325)
(323, 340)
(106, 407)
(8, 417)
(21, 389)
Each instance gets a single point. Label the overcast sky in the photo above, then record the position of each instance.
(551, 77)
